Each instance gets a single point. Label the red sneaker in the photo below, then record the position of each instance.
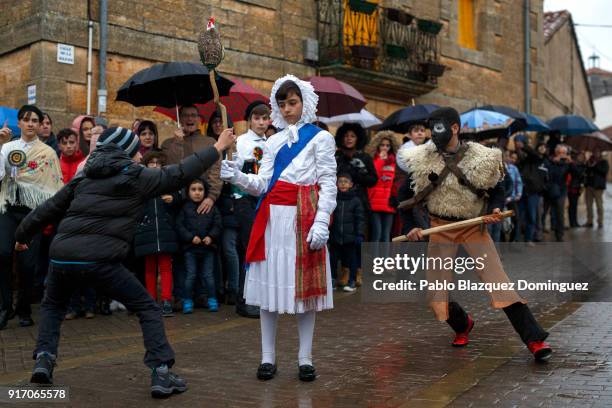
(541, 351)
(461, 339)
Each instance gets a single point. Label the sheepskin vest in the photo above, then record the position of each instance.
(482, 167)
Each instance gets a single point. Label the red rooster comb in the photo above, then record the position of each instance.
(211, 23)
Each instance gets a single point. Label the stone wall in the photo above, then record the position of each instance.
(263, 40)
(565, 87)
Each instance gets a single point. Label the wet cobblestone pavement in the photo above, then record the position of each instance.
(366, 355)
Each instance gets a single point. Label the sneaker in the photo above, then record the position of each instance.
(461, 339)
(90, 315)
(167, 309)
(26, 321)
(348, 288)
(541, 351)
(43, 369)
(165, 383)
(213, 306)
(70, 316)
(187, 306)
(117, 306)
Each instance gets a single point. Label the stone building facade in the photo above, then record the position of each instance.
(480, 43)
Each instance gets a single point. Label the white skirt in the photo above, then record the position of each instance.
(270, 284)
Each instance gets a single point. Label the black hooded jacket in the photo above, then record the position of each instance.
(98, 213)
(348, 221)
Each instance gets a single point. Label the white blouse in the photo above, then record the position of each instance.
(315, 164)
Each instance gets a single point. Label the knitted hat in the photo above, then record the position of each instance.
(122, 137)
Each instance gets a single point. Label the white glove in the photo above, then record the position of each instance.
(318, 235)
(229, 171)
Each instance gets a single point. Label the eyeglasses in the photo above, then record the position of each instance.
(190, 115)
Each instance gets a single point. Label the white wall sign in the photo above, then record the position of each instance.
(31, 94)
(65, 54)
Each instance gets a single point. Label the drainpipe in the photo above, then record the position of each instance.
(527, 57)
(102, 56)
(89, 47)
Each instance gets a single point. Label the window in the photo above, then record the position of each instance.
(467, 24)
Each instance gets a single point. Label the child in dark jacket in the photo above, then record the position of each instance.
(199, 234)
(156, 239)
(347, 230)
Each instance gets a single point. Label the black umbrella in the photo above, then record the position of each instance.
(520, 119)
(401, 120)
(171, 84)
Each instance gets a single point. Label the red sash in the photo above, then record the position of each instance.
(310, 265)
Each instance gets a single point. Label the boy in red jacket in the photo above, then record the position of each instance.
(70, 156)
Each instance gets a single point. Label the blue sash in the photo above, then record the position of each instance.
(286, 154)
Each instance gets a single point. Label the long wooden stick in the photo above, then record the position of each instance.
(220, 106)
(454, 225)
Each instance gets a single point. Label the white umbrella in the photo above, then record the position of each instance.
(364, 118)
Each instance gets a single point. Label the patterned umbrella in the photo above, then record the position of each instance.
(520, 119)
(484, 124)
(240, 96)
(336, 97)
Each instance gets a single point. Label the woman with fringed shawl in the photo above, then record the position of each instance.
(288, 265)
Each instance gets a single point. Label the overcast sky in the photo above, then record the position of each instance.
(592, 39)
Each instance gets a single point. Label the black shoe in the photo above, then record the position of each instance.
(249, 311)
(266, 371)
(26, 321)
(4, 318)
(307, 373)
(165, 383)
(43, 369)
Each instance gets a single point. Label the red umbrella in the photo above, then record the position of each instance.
(336, 97)
(240, 96)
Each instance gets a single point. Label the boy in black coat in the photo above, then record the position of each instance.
(97, 215)
(199, 234)
(156, 239)
(347, 230)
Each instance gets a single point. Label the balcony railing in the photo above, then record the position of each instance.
(362, 35)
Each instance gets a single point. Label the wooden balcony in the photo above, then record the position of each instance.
(379, 50)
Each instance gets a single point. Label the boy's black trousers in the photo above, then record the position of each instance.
(118, 283)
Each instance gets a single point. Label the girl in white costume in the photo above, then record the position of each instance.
(287, 274)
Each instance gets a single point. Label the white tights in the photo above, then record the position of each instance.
(269, 321)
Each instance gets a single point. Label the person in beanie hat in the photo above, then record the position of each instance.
(123, 138)
(99, 212)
